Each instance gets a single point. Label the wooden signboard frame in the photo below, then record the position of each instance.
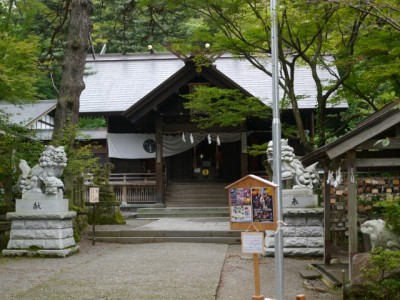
(252, 204)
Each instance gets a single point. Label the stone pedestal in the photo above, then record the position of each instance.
(303, 234)
(299, 198)
(41, 226)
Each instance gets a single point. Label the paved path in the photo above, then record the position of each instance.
(152, 271)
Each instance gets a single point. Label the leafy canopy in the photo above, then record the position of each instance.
(213, 106)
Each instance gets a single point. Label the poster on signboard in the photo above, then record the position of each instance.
(241, 210)
(252, 204)
(262, 204)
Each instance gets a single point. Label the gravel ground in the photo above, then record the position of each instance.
(151, 271)
(115, 271)
(238, 272)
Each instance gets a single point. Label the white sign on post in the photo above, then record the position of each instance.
(94, 195)
(253, 242)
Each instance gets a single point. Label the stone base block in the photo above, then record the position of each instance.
(41, 253)
(303, 233)
(299, 198)
(308, 252)
(41, 204)
(41, 234)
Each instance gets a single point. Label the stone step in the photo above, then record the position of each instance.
(165, 233)
(142, 240)
(172, 212)
(167, 236)
(196, 194)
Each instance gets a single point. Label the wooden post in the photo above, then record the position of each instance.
(256, 263)
(327, 216)
(352, 206)
(124, 195)
(301, 297)
(159, 166)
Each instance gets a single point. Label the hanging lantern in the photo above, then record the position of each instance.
(209, 138)
(218, 140)
(183, 137)
(191, 138)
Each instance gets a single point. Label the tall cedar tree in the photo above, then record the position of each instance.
(72, 85)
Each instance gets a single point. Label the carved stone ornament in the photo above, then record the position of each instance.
(44, 178)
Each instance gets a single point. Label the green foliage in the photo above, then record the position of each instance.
(79, 154)
(130, 26)
(377, 285)
(16, 143)
(80, 222)
(391, 213)
(387, 209)
(211, 106)
(18, 68)
(92, 122)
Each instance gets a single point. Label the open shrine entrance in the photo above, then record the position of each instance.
(206, 161)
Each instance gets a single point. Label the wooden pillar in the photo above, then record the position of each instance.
(159, 167)
(327, 216)
(244, 160)
(352, 206)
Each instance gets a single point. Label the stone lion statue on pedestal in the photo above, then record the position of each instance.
(292, 168)
(45, 176)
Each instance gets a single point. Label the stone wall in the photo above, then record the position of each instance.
(303, 234)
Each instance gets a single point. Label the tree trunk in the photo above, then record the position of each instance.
(72, 85)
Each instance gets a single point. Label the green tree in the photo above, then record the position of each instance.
(374, 80)
(213, 106)
(131, 25)
(71, 86)
(307, 34)
(16, 143)
(19, 72)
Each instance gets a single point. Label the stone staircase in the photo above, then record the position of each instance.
(196, 194)
(182, 212)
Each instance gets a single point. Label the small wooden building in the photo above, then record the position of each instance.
(372, 148)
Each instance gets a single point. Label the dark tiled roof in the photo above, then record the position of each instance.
(119, 81)
(28, 113)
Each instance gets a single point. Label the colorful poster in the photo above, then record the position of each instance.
(241, 205)
(262, 204)
(251, 205)
(241, 213)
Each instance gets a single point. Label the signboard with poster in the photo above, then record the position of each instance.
(252, 204)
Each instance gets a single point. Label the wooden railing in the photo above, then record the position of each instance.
(134, 188)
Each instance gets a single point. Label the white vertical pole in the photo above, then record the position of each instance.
(276, 138)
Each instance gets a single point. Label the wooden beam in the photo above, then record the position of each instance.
(352, 206)
(374, 144)
(377, 162)
(363, 136)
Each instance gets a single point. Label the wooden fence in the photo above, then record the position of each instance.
(134, 188)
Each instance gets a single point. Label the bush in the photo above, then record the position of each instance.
(390, 209)
(382, 277)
